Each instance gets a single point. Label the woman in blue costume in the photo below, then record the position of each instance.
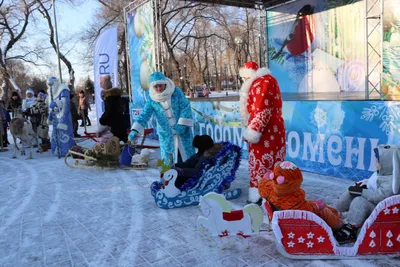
(174, 118)
(60, 117)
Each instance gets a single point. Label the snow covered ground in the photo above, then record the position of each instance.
(52, 215)
(222, 94)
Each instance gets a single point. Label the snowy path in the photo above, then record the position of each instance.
(52, 215)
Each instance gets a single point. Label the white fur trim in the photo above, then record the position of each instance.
(136, 126)
(246, 73)
(186, 122)
(62, 126)
(252, 136)
(254, 196)
(244, 93)
(164, 96)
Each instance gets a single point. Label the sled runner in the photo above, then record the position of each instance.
(304, 235)
(105, 155)
(216, 175)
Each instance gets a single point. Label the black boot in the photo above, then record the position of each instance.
(347, 234)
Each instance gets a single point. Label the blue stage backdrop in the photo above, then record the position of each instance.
(332, 138)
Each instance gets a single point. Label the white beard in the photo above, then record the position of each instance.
(165, 95)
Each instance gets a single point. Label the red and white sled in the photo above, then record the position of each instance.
(304, 235)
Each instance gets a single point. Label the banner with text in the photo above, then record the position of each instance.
(330, 138)
(105, 63)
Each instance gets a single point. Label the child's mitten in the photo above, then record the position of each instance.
(320, 203)
(355, 190)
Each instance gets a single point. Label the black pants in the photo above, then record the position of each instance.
(75, 125)
(85, 117)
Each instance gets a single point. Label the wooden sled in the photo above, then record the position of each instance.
(304, 235)
(216, 176)
(83, 157)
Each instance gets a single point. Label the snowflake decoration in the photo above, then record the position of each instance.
(275, 128)
(272, 137)
(258, 90)
(388, 124)
(369, 114)
(310, 244)
(301, 239)
(319, 117)
(395, 210)
(386, 113)
(290, 244)
(266, 144)
(266, 102)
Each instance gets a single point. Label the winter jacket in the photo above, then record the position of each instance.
(113, 113)
(15, 106)
(40, 111)
(27, 103)
(189, 168)
(83, 104)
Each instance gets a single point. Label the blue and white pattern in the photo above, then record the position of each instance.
(212, 178)
(60, 117)
(181, 110)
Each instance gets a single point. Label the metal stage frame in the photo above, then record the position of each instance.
(373, 49)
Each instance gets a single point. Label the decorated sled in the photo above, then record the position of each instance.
(216, 175)
(302, 234)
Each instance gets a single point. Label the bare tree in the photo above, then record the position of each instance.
(44, 8)
(14, 19)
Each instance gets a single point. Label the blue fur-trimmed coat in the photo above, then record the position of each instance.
(182, 116)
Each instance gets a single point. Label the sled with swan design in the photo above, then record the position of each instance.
(216, 175)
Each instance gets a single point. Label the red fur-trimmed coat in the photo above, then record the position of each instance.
(261, 110)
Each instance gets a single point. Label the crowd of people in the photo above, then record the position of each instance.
(34, 107)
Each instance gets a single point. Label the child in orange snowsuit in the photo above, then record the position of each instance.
(282, 189)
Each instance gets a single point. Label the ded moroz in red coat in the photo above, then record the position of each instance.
(261, 110)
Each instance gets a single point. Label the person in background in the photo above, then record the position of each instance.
(74, 116)
(27, 103)
(113, 115)
(83, 109)
(29, 100)
(15, 105)
(41, 111)
(4, 122)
